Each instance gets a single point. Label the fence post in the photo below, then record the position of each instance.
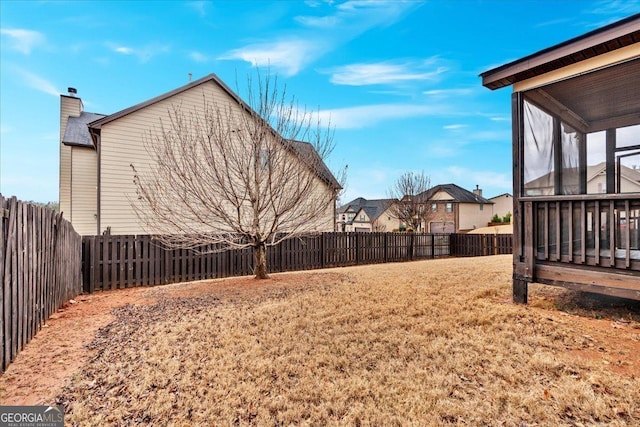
(433, 246)
(357, 247)
(411, 245)
(281, 255)
(322, 246)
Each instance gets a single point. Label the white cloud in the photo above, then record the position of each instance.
(318, 21)
(456, 126)
(123, 50)
(289, 56)
(613, 9)
(367, 115)
(144, 53)
(447, 93)
(384, 73)
(292, 52)
(39, 83)
(560, 21)
(23, 40)
(199, 57)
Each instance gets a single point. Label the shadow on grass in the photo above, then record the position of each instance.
(586, 304)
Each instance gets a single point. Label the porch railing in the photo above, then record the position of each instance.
(595, 230)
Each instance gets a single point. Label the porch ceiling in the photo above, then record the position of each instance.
(609, 97)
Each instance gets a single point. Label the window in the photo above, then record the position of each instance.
(362, 218)
(449, 207)
(481, 207)
(434, 207)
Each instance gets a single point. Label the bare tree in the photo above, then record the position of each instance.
(235, 174)
(411, 206)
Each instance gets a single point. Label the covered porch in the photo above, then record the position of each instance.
(576, 162)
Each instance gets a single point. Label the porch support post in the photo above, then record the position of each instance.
(520, 283)
(520, 290)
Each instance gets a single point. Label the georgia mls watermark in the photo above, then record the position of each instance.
(32, 416)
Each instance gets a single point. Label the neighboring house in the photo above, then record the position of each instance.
(627, 180)
(366, 215)
(502, 204)
(456, 210)
(576, 220)
(96, 151)
(447, 208)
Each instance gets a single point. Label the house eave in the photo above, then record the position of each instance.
(614, 36)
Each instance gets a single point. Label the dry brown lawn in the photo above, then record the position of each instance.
(425, 343)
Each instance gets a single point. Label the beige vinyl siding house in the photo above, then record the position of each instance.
(96, 179)
(449, 209)
(474, 215)
(456, 210)
(370, 220)
(502, 204)
(121, 140)
(367, 215)
(84, 178)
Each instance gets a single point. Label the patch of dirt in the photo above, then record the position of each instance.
(612, 325)
(47, 363)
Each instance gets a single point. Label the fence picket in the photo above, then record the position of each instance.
(151, 263)
(40, 256)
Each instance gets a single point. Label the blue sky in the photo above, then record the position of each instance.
(398, 79)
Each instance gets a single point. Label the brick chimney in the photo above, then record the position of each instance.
(477, 191)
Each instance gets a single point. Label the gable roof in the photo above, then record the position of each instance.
(209, 78)
(81, 128)
(602, 40)
(459, 194)
(354, 204)
(77, 132)
(309, 154)
(500, 195)
(373, 208)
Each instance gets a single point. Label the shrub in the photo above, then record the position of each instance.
(496, 218)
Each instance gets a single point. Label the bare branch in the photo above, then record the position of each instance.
(236, 175)
(411, 207)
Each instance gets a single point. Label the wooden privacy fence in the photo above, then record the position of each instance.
(40, 269)
(481, 244)
(119, 261)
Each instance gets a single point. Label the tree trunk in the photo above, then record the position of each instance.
(260, 258)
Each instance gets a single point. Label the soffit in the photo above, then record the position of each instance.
(609, 97)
